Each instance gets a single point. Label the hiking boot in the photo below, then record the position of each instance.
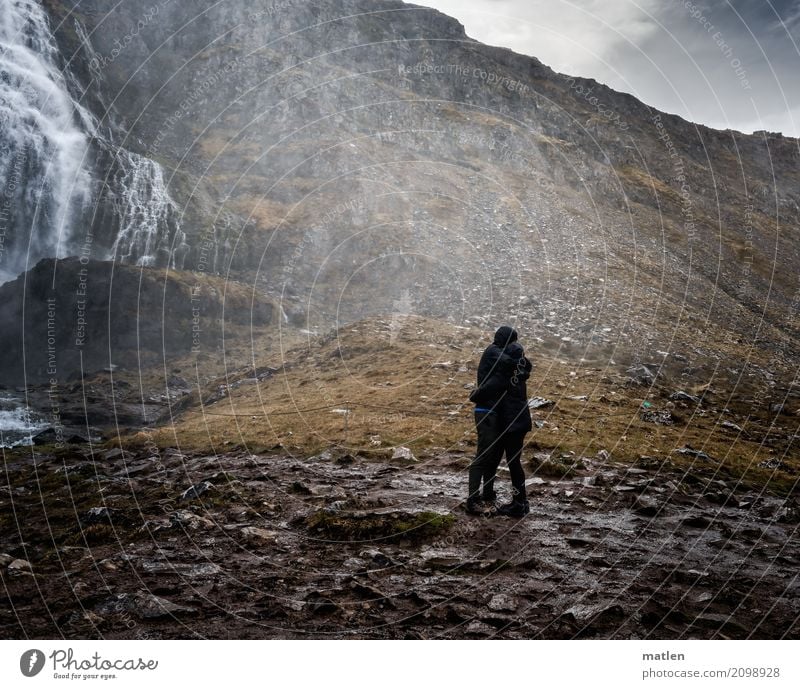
(490, 504)
(516, 509)
(480, 508)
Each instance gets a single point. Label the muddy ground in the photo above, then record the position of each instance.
(334, 546)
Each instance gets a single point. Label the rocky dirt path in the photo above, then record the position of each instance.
(335, 546)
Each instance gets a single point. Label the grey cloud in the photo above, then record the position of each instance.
(724, 63)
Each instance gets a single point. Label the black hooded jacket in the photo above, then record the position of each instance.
(502, 373)
(515, 415)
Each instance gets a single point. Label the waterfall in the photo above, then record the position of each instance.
(149, 220)
(49, 148)
(18, 423)
(44, 136)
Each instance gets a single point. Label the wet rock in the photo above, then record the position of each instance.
(46, 437)
(293, 604)
(691, 452)
(599, 614)
(321, 605)
(732, 426)
(377, 557)
(603, 455)
(196, 490)
(336, 506)
(135, 468)
(562, 467)
(402, 452)
(539, 403)
(19, 567)
(697, 521)
(662, 417)
(773, 463)
(640, 375)
(156, 525)
(184, 569)
(355, 524)
(203, 571)
(438, 558)
(502, 602)
(6, 559)
(49, 436)
(723, 497)
(374, 596)
(478, 628)
(255, 534)
(681, 396)
(788, 513)
(324, 456)
(646, 506)
(635, 471)
(691, 576)
(144, 605)
(97, 515)
(300, 488)
(725, 624)
(190, 520)
(354, 565)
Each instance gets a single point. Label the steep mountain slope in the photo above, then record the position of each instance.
(355, 158)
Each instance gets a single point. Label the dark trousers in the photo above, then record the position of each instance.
(492, 444)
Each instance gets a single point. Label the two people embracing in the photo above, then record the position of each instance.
(502, 419)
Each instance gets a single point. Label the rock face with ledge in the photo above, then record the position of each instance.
(66, 318)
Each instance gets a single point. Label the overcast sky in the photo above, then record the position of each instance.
(725, 63)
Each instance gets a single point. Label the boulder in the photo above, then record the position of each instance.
(97, 515)
(190, 520)
(641, 375)
(142, 604)
(680, 396)
(402, 452)
(255, 534)
(19, 567)
(196, 490)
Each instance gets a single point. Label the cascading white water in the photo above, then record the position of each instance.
(44, 137)
(149, 231)
(48, 143)
(18, 423)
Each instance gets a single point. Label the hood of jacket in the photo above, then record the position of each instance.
(505, 335)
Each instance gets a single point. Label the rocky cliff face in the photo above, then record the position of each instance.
(354, 158)
(78, 316)
(351, 158)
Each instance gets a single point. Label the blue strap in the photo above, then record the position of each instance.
(484, 409)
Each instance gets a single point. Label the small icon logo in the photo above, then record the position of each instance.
(31, 662)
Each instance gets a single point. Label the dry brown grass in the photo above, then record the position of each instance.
(403, 391)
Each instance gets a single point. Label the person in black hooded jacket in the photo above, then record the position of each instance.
(502, 419)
